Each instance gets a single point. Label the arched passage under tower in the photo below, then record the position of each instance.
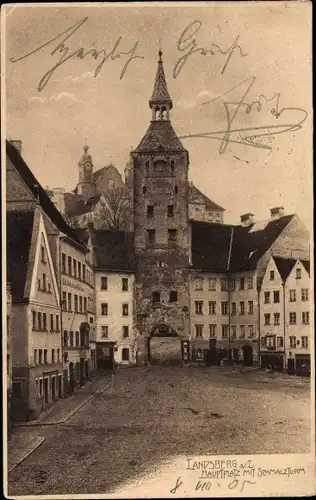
(164, 346)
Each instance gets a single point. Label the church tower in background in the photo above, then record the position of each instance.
(161, 233)
(86, 186)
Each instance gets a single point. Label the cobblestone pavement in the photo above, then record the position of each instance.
(148, 415)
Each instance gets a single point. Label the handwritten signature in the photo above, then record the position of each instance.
(187, 43)
(252, 140)
(100, 55)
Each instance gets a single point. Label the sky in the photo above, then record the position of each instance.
(272, 56)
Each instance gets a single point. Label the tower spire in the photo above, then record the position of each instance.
(160, 102)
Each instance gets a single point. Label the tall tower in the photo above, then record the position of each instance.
(161, 234)
(86, 186)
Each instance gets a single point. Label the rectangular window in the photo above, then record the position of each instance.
(150, 236)
(304, 292)
(53, 355)
(276, 297)
(172, 236)
(51, 322)
(44, 322)
(44, 282)
(232, 285)
(58, 355)
(212, 307)
(76, 303)
(233, 331)
(292, 342)
(71, 338)
(234, 308)
(84, 272)
(279, 341)
(292, 318)
(212, 284)
(173, 296)
(34, 320)
(104, 309)
(69, 266)
(104, 331)
(35, 356)
(250, 307)
(69, 302)
(212, 330)
(242, 331)
(57, 323)
(77, 339)
(305, 318)
(63, 263)
(241, 308)
(125, 331)
(250, 283)
(276, 318)
(74, 263)
(45, 356)
(224, 285)
(124, 284)
(298, 274)
(104, 283)
(304, 342)
(225, 329)
(241, 283)
(79, 270)
(124, 309)
(85, 305)
(40, 356)
(170, 211)
(80, 304)
(150, 211)
(43, 254)
(156, 297)
(38, 284)
(267, 297)
(271, 275)
(64, 302)
(199, 331)
(39, 320)
(251, 331)
(292, 295)
(267, 319)
(270, 341)
(198, 307)
(198, 284)
(65, 338)
(224, 308)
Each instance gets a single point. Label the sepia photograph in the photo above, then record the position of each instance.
(157, 230)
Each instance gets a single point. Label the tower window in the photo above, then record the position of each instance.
(144, 189)
(147, 166)
(150, 211)
(172, 235)
(170, 211)
(150, 236)
(176, 189)
(173, 296)
(172, 166)
(156, 297)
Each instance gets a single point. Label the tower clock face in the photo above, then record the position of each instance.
(88, 166)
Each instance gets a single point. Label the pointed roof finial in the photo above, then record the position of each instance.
(160, 93)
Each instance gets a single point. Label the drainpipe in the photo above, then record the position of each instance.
(61, 314)
(259, 327)
(229, 292)
(284, 329)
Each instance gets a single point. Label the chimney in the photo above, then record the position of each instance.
(17, 145)
(246, 219)
(58, 198)
(276, 212)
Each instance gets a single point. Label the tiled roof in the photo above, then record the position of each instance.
(211, 244)
(160, 136)
(112, 250)
(307, 265)
(284, 266)
(76, 205)
(19, 237)
(38, 192)
(195, 192)
(160, 93)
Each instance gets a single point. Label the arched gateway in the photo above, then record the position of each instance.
(164, 345)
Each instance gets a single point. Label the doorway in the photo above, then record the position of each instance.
(53, 382)
(46, 391)
(247, 354)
